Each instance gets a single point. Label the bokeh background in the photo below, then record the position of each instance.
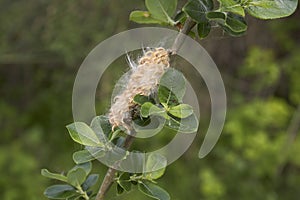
(42, 44)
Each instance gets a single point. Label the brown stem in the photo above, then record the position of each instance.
(187, 27)
(110, 174)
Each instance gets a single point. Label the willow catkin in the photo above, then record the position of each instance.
(143, 80)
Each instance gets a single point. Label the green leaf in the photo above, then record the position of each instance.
(141, 99)
(120, 190)
(154, 191)
(231, 23)
(83, 134)
(102, 127)
(48, 174)
(124, 181)
(171, 87)
(90, 181)
(271, 9)
(162, 10)
(87, 167)
(155, 166)
(186, 125)
(197, 9)
(84, 156)
(150, 126)
(181, 111)
(148, 109)
(232, 6)
(59, 191)
(203, 29)
(180, 17)
(76, 177)
(143, 17)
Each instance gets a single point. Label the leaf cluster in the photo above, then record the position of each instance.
(228, 14)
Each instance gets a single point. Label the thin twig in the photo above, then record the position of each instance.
(111, 172)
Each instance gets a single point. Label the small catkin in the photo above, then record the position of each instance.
(143, 80)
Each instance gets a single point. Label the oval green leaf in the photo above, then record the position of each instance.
(148, 109)
(59, 191)
(162, 10)
(83, 134)
(197, 9)
(85, 155)
(90, 181)
(55, 176)
(271, 9)
(186, 125)
(232, 6)
(171, 87)
(154, 191)
(181, 111)
(203, 29)
(143, 17)
(76, 177)
(155, 166)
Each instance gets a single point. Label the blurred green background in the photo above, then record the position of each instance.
(42, 44)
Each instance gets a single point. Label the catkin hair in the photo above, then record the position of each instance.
(143, 80)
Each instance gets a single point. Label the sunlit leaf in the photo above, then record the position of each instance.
(271, 9)
(155, 166)
(162, 10)
(83, 134)
(48, 174)
(181, 110)
(154, 191)
(76, 176)
(185, 125)
(143, 17)
(86, 155)
(232, 6)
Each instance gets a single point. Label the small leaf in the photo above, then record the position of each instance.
(124, 181)
(232, 6)
(180, 17)
(76, 176)
(90, 181)
(171, 87)
(185, 125)
(102, 127)
(148, 129)
(197, 9)
(59, 191)
(233, 24)
(155, 166)
(120, 190)
(143, 17)
(141, 99)
(154, 191)
(271, 9)
(203, 29)
(181, 111)
(48, 174)
(148, 109)
(162, 10)
(84, 156)
(87, 167)
(83, 134)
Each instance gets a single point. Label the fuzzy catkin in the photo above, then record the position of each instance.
(143, 80)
